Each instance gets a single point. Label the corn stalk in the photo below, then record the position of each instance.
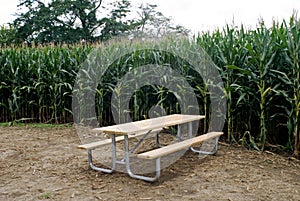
(292, 43)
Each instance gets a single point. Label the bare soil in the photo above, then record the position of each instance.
(44, 164)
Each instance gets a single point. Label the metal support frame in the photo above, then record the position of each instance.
(178, 136)
(157, 140)
(128, 168)
(126, 160)
(214, 151)
(139, 142)
(114, 159)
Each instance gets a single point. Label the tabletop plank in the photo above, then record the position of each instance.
(149, 124)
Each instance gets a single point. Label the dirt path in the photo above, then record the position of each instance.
(44, 164)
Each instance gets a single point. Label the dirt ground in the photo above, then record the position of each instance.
(44, 164)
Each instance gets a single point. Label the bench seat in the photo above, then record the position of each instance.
(94, 145)
(172, 148)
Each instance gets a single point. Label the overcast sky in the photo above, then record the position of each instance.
(200, 15)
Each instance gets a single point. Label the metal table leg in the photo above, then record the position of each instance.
(114, 159)
(215, 149)
(128, 168)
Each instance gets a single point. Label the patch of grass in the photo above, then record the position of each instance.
(46, 196)
(35, 125)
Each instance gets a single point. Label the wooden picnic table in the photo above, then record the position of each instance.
(143, 129)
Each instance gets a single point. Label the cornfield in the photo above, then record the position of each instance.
(259, 68)
(37, 82)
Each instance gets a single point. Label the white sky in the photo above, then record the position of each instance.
(200, 15)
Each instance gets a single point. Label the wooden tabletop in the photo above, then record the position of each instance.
(149, 124)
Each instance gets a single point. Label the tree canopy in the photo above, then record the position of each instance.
(72, 21)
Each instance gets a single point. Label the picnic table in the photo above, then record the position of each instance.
(142, 129)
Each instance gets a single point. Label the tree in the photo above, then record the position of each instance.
(60, 21)
(72, 21)
(116, 23)
(153, 22)
(68, 21)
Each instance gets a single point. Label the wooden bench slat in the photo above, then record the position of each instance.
(101, 143)
(160, 152)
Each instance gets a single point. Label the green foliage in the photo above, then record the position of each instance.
(74, 21)
(35, 125)
(37, 82)
(149, 95)
(291, 40)
(59, 21)
(7, 35)
(260, 69)
(116, 23)
(152, 22)
(46, 196)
